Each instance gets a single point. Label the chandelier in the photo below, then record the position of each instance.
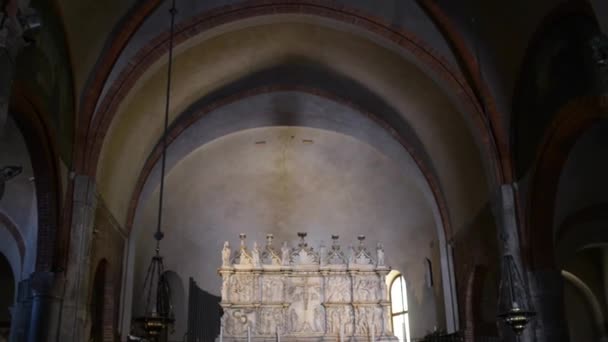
(158, 314)
(514, 305)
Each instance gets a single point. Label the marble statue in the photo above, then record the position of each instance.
(226, 254)
(304, 294)
(351, 254)
(255, 255)
(285, 254)
(323, 255)
(380, 254)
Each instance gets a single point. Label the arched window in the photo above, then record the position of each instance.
(399, 312)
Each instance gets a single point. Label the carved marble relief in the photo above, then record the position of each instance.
(300, 292)
(271, 319)
(272, 289)
(305, 311)
(340, 317)
(338, 289)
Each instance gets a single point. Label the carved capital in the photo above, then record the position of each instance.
(18, 30)
(597, 55)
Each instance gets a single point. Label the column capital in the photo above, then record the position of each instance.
(19, 27)
(597, 61)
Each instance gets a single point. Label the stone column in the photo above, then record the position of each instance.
(75, 314)
(45, 308)
(508, 240)
(546, 287)
(21, 312)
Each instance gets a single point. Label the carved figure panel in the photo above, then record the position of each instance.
(270, 318)
(340, 316)
(242, 288)
(306, 315)
(366, 288)
(338, 289)
(272, 289)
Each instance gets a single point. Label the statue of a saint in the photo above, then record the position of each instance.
(380, 254)
(285, 254)
(226, 254)
(323, 255)
(351, 254)
(255, 255)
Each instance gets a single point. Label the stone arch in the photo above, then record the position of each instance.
(592, 301)
(42, 153)
(570, 123)
(192, 116)
(151, 53)
(558, 39)
(583, 229)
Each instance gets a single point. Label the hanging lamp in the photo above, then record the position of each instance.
(158, 315)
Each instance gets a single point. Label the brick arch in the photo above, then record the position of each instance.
(158, 47)
(470, 66)
(524, 97)
(52, 235)
(117, 41)
(182, 123)
(570, 124)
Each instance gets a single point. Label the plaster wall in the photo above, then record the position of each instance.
(88, 25)
(400, 14)
(300, 179)
(212, 64)
(19, 200)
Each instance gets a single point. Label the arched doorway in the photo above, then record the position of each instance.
(7, 297)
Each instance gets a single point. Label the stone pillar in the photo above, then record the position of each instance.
(546, 287)
(46, 307)
(21, 312)
(508, 235)
(75, 314)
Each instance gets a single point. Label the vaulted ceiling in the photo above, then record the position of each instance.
(410, 66)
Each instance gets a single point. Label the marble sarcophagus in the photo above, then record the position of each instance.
(303, 294)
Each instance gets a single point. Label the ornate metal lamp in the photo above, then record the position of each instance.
(158, 313)
(514, 305)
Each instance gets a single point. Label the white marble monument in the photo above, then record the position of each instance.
(299, 294)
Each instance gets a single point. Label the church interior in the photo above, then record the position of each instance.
(169, 170)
